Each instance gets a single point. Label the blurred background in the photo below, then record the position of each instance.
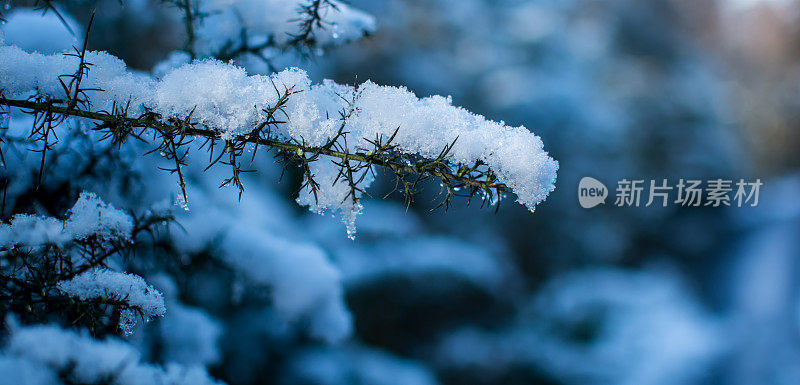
(636, 89)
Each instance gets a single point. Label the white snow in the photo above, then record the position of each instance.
(221, 96)
(303, 282)
(32, 230)
(334, 193)
(129, 288)
(43, 353)
(649, 330)
(225, 99)
(89, 217)
(23, 73)
(259, 240)
(188, 335)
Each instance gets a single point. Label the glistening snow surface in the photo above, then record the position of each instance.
(128, 288)
(89, 217)
(224, 98)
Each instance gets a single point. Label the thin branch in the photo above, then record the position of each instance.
(465, 176)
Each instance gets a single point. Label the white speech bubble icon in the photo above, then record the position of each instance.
(591, 192)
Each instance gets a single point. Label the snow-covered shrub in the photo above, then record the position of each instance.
(599, 327)
(57, 268)
(114, 224)
(138, 297)
(116, 236)
(50, 355)
(337, 133)
(89, 217)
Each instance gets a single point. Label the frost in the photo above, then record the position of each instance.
(132, 290)
(77, 358)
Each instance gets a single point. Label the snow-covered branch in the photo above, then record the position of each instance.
(136, 297)
(51, 263)
(90, 217)
(309, 125)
